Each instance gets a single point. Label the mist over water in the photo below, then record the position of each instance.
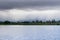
(20, 32)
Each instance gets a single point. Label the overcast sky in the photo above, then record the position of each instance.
(22, 10)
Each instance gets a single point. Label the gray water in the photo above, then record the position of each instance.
(23, 32)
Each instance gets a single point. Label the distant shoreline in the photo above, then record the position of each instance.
(53, 22)
(29, 24)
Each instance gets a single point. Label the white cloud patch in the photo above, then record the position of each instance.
(29, 15)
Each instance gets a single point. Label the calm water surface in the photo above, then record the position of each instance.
(23, 32)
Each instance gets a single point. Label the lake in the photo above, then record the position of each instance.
(32, 32)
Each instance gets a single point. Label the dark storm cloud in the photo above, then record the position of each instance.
(11, 4)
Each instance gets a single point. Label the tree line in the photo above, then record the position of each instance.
(53, 22)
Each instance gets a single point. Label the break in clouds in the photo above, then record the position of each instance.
(28, 10)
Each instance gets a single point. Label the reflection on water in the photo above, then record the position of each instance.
(20, 32)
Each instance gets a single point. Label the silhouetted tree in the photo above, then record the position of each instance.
(53, 21)
(33, 21)
(6, 22)
(40, 21)
(37, 21)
